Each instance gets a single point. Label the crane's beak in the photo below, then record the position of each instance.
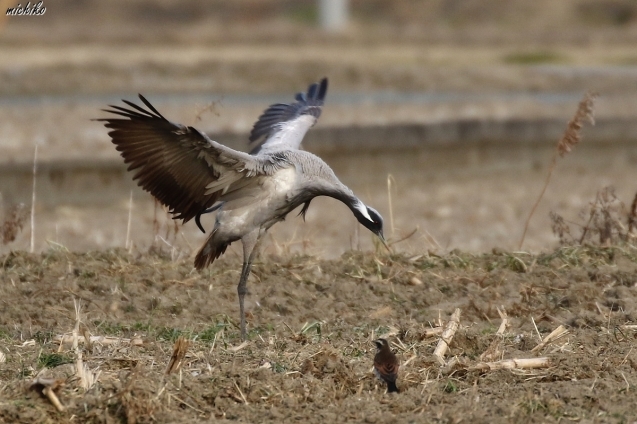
(382, 239)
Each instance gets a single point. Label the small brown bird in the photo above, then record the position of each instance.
(386, 365)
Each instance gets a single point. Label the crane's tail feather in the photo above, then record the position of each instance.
(214, 247)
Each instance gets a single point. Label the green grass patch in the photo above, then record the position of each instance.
(142, 326)
(208, 334)
(109, 328)
(450, 387)
(171, 334)
(4, 334)
(52, 360)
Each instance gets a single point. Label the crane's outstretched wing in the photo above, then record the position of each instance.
(179, 165)
(283, 126)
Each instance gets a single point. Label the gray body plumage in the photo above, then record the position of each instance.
(281, 182)
(193, 175)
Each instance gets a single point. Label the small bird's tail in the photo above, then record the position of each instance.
(391, 387)
(211, 250)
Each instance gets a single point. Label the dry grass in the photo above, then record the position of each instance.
(604, 222)
(311, 323)
(166, 230)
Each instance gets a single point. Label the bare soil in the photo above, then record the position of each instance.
(311, 323)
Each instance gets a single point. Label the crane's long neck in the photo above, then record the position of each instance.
(365, 215)
(357, 207)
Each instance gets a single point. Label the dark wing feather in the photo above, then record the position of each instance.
(173, 162)
(269, 123)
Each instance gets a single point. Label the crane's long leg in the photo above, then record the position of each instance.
(242, 289)
(251, 242)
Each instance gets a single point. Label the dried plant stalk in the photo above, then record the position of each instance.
(568, 141)
(128, 245)
(604, 223)
(430, 332)
(179, 353)
(447, 336)
(235, 349)
(603, 218)
(504, 323)
(102, 340)
(87, 376)
(243, 398)
(47, 387)
(87, 338)
(554, 335)
(510, 364)
(390, 178)
(560, 228)
(50, 394)
(35, 170)
(494, 351)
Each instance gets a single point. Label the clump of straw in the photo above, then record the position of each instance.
(179, 353)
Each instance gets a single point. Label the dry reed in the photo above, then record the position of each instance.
(129, 244)
(35, 169)
(569, 140)
(390, 204)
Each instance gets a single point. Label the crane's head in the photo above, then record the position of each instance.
(370, 219)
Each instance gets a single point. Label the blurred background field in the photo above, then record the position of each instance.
(451, 108)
